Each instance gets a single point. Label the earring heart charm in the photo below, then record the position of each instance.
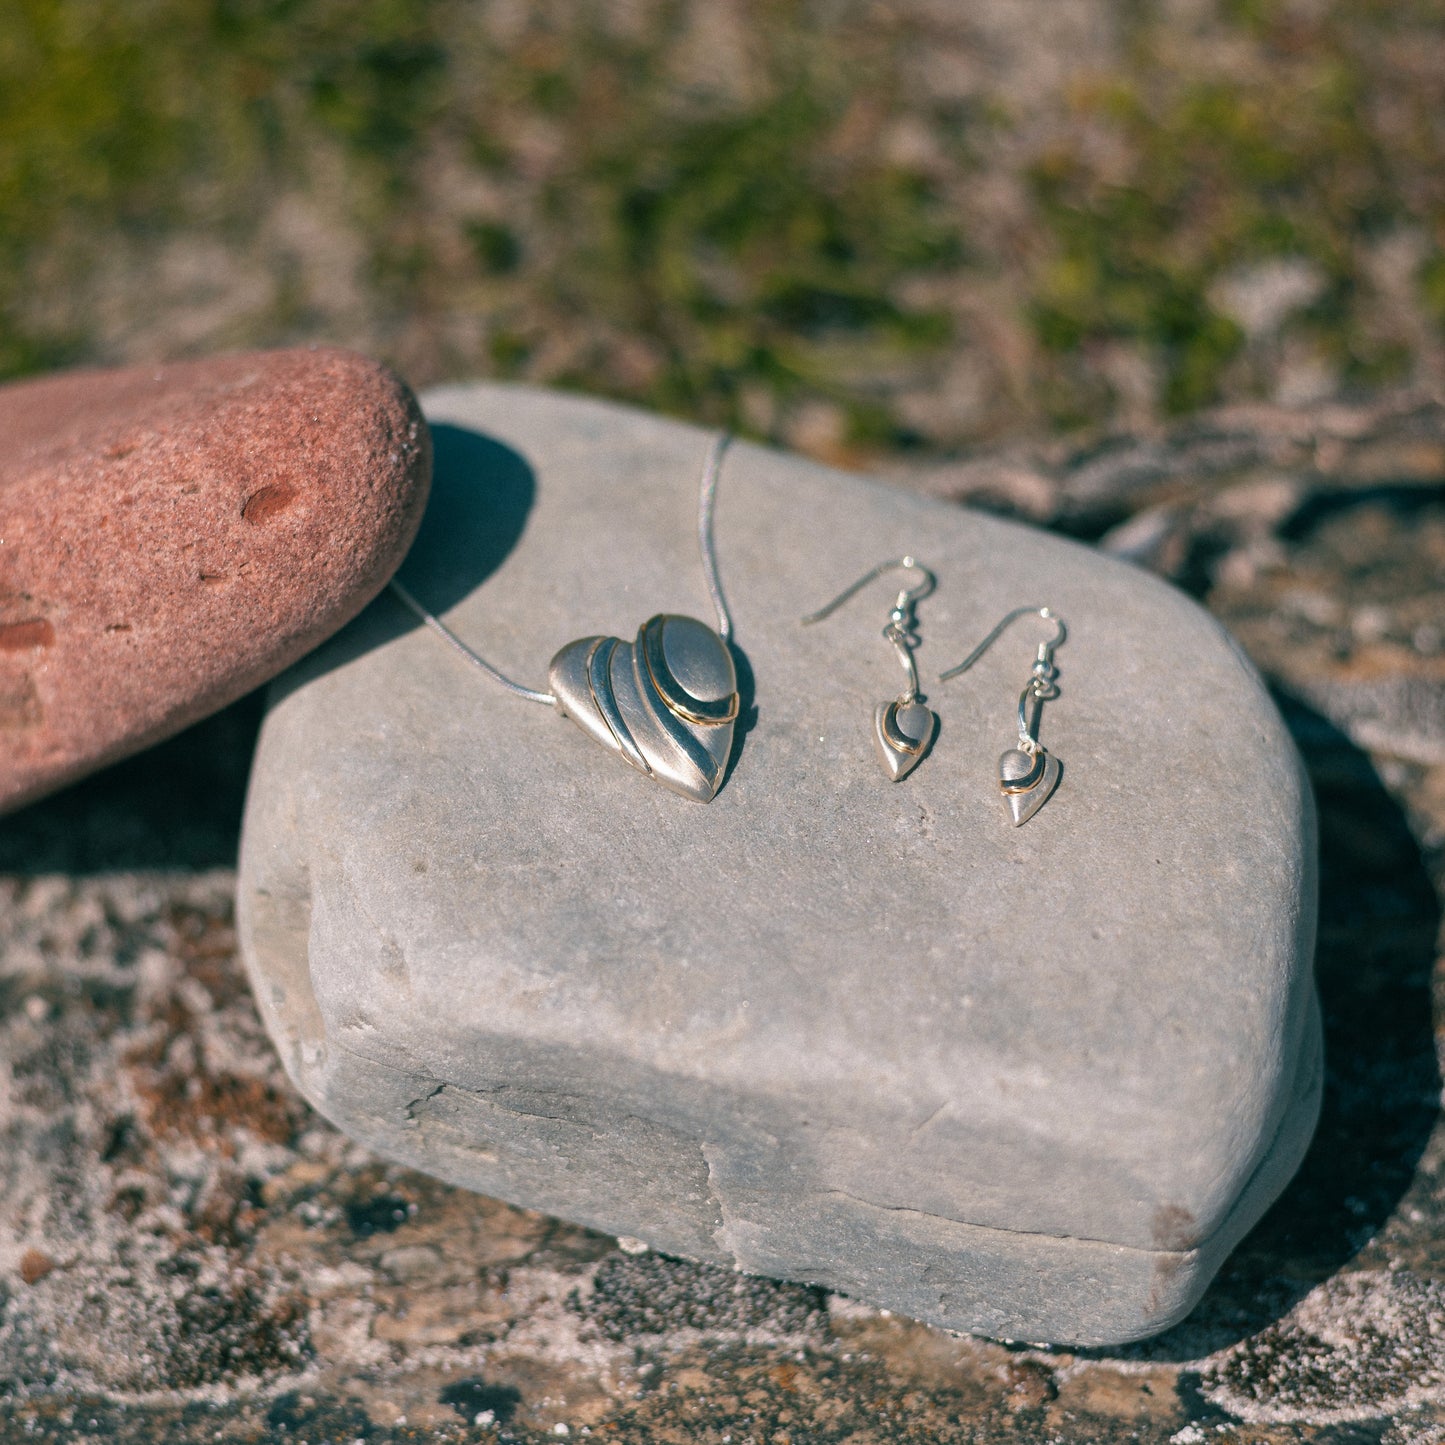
(666, 703)
(1028, 773)
(903, 731)
(1026, 780)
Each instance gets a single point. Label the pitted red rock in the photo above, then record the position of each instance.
(172, 537)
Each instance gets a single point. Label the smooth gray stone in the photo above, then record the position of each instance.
(1032, 1082)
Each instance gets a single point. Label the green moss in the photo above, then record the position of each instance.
(582, 201)
(736, 238)
(497, 247)
(1208, 173)
(1432, 287)
(509, 353)
(24, 352)
(82, 126)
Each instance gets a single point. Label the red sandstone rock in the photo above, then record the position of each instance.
(171, 537)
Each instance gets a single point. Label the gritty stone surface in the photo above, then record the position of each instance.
(116, 943)
(171, 537)
(1034, 1083)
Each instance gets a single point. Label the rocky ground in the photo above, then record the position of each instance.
(188, 1253)
(898, 233)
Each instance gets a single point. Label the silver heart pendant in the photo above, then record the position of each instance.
(904, 731)
(1027, 780)
(666, 703)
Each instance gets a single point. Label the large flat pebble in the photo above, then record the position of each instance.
(1028, 1082)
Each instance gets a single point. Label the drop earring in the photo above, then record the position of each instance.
(667, 702)
(904, 729)
(1028, 773)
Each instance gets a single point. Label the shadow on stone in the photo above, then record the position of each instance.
(482, 492)
(495, 1404)
(481, 495)
(747, 708)
(380, 1214)
(179, 804)
(176, 805)
(1402, 500)
(293, 1416)
(1379, 919)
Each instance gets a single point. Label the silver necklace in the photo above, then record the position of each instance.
(667, 702)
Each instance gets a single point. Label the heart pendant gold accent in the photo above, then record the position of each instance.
(903, 731)
(1027, 780)
(666, 703)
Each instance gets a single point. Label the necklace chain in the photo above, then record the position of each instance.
(707, 505)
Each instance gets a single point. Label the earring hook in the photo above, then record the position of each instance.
(1043, 684)
(906, 598)
(901, 622)
(1046, 648)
